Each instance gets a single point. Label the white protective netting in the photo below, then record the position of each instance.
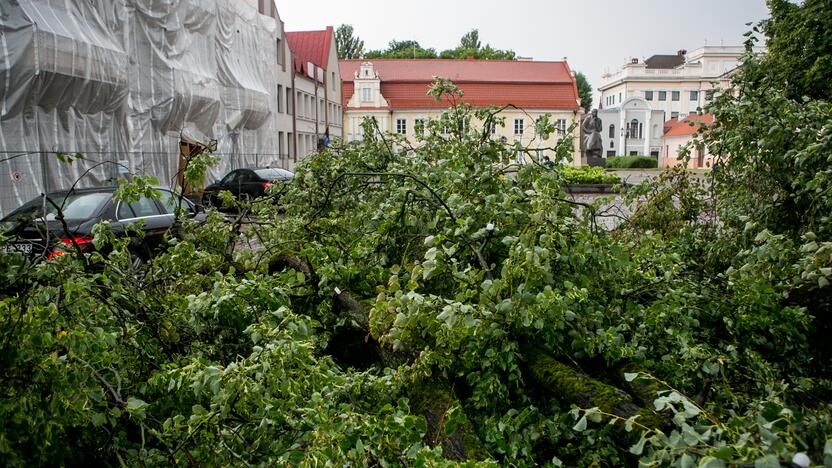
(118, 80)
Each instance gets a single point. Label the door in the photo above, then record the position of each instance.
(144, 213)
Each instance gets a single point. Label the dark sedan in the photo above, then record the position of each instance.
(245, 184)
(36, 230)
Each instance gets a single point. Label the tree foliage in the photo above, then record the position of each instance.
(470, 46)
(429, 302)
(584, 91)
(471, 40)
(401, 50)
(348, 45)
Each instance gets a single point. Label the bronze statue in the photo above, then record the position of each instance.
(593, 144)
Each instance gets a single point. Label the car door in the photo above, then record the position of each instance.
(147, 213)
(251, 185)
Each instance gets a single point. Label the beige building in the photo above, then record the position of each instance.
(679, 134)
(394, 92)
(316, 91)
(678, 85)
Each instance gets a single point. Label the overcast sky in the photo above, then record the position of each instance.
(594, 35)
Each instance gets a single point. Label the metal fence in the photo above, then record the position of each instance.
(26, 175)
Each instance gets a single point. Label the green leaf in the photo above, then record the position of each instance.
(769, 461)
(135, 404)
(711, 462)
(638, 447)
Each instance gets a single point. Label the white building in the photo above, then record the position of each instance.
(633, 128)
(678, 85)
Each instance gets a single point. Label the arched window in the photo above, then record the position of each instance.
(634, 129)
(612, 131)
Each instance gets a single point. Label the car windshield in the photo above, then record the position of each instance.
(273, 174)
(75, 206)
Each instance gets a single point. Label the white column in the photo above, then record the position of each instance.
(622, 130)
(647, 133)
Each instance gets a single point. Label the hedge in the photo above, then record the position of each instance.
(588, 175)
(633, 162)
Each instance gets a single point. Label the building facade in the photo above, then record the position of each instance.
(679, 134)
(678, 84)
(316, 90)
(633, 128)
(394, 92)
(123, 82)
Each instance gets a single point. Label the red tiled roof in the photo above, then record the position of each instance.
(310, 46)
(530, 85)
(684, 128)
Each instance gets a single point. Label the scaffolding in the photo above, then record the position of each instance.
(120, 80)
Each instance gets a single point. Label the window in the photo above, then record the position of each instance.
(401, 126)
(612, 143)
(694, 96)
(366, 94)
(280, 106)
(655, 154)
(620, 98)
(289, 108)
(333, 81)
(610, 153)
(674, 115)
(674, 95)
(171, 202)
(648, 95)
(633, 153)
(419, 126)
(560, 124)
(633, 129)
(279, 52)
(612, 131)
(662, 95)
(518, 126)
(144, 207)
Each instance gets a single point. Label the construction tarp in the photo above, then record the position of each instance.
(120, 80)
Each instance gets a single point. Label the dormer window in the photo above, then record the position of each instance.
(366, 94)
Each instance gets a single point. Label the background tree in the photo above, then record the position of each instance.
(471, 46)
(349, 46)
(471, 40)
(403, 50)
(584, 91)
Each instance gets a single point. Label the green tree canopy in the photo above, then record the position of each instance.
(349, 46)
(470, 46)
(402, 49)
(471, 40)
(584, 91)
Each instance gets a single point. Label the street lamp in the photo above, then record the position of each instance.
(625, 132)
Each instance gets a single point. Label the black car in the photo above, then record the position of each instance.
(36, 230)
(245, 184)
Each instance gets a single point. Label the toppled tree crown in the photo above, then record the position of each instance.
(426, 301)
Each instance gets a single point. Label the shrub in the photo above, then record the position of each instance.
(588, 175)
(633, 162)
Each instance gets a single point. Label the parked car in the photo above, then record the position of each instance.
(36, 230)
(245, 184)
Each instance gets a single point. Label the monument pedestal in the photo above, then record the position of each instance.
(596, 162)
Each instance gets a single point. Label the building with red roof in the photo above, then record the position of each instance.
(316, 90)
(680, 133)
(395, 92)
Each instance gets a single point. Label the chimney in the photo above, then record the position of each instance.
(634, 61)
(681, 52)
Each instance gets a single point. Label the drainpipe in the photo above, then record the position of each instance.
(294, 118)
